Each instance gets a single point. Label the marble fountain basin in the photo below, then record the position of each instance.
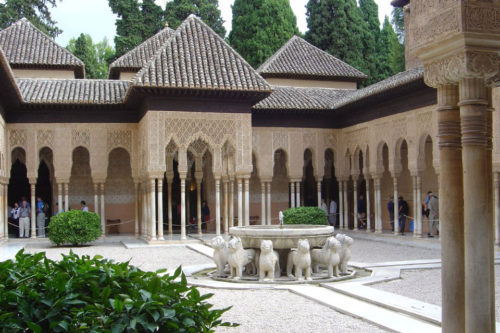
(283, 237)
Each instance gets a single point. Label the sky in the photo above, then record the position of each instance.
(94, 17)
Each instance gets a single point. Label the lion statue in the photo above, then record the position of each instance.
(239, 258)
(300, 258)
(345, 251)
(327, 256)
(269, 264)
(221, 254)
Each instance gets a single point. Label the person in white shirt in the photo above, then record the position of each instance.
(84, 206)
(14, 214)
(332, 217)
(324, 207)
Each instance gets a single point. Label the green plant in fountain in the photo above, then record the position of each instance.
(304, 215)
(83, 294)
(74, 227)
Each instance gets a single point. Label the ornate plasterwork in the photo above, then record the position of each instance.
(484, 19)
(445, 22)
(280, 140)
(120, 138)
(80, 137)
(186, 130)
(17, 137)
(45, 137)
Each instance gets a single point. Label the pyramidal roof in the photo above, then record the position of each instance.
(300, 59)
(26, 46)
(136, 58)
(195, 57)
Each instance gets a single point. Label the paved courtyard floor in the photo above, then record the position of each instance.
(405, 276)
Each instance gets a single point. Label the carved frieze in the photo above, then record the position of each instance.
(280, 140)
(45, 138)
(80, 137)
(120, 138)
(17, 137)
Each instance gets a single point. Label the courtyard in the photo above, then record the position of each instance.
(402, 293)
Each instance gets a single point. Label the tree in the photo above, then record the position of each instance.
(177, 11)
(152, 18)
(261, 27)
(390, 61)
(36, 11)
(398, 21)
(337, 27)
(96, 57)
(369, 12)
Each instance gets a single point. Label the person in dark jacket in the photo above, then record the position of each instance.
(404, 210)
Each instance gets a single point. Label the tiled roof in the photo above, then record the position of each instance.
(298, 58)
(77, 91)
(293, 98)
(195, 57)
(136, 58)
(390, 83)
(9, 91)
(25, 45)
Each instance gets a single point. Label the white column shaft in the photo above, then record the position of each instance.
(262, 203)
(103, 213)
(59, 197)
(318, 187)
(346, 207)
(268, 208)
(355, 203)
(418, 209)
(160, 209)
(292, 194)
(396, 206)
(96, 198)
(368, 208)
(136, 209)
(247, 201)
(340, 209)
(226, 208)
(231, 204)
(183, 208)
(297, 195)
(217, 207)
(169, 208)
(66, 197)
(33, 211)
(198, 205)
(240, 203)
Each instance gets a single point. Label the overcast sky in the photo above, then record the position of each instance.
(95, 17)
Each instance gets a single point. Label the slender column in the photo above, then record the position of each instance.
(497, 206)
(396, 205)
(297, 195)
(368, 210)
(183, 207)
(318, 188)
(170, 178)
(103, 214)
(355, 203)
(263, 202)
(450, 210)
(198, 205)
(418, 208)
(268, 189)
(136, 209)
(292, 194)
(378, 206)
(96, 198)
(489, 202)
(33, 209)
(66, 197)
(231, 203)
(144, 210)
(240, 202)
(346, 207)
(478, 225)
(340, 206)
(59, 197)
(217, 206)
(160, 209)
(414, 197)
(226, 208)
(4, 231)
(247, 200)
(6, 205)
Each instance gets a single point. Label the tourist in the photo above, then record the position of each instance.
(362, 212)
(15, 216)
(40, 217)
(24, 219)
(404, 210)
(205, 212)
(390, 208)
(324, 207)
(84, 206)
(433, 207)
(57, 211)
(332, 218)
(427, 198)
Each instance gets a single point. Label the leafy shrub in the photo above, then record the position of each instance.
(304, 215)
(74, 227)
(79, 294)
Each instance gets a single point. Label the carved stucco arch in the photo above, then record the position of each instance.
(379, 158)
(50, 164)
(421, 162)
(314, 161)
(334, 161)
(395, 165)
(287, 159)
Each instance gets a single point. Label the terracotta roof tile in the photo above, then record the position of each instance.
(25, 45)
(298, 58)
(195, 57)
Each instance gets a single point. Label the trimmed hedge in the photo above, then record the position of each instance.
(304, 215)
(80, 294)
(74, 227)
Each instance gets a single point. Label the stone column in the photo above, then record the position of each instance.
(183, 207)
(340, 206)
(247, 200)
(66, 197)
(170, 178)
(6, 205)
(292, 194)
(136, 209)
(378, 205)
(4, 228)
(396, 205)
(103, 214)
(318, 187)
(198, 206)
(217, 206)
(144, 210)
(240, 202)
(355, 203)
(346, 206)
(297, 194)
(226, 208)
(59, 197)
(268, 189)
(263, 202)
(33, 208)
(160, 209)
(478, 225)
(418, 208)
(231, 203)
(96, 198)
(497, 206)
(368, 210)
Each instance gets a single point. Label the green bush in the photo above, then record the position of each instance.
(304, 215)
(80, 294)
(74, 227)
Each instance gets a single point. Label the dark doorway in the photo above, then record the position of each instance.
(44, 186)
(19, 187)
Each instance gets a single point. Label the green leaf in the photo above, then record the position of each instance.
(34, 327)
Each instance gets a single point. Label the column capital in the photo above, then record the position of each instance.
(376, 176)
(32, 181)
